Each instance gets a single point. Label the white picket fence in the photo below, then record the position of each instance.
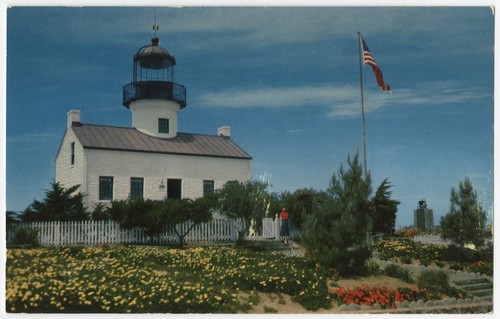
(109, 232)
(271, 228)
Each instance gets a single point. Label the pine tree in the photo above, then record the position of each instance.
(466, 220)
(60, 204)
(384, 218)
(335, 233)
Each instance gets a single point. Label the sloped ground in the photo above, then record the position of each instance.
(480, 287)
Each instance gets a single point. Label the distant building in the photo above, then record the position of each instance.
(423, 217)
(152, 159)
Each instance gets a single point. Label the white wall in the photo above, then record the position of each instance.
(66, 174)
(155, 168)
(145, 114)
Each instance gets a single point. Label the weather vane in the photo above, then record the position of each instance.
(156, 26)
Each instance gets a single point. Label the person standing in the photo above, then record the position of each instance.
(284, 231)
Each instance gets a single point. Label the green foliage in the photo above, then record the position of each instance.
(156, 216)
(425, 262)
(249, 200)
(270, 310)
(100, 212)
(59, 204)
(385, 209)
(435, 281)
(335, 234)
(11, 218)
(466, 220)
(396, 271)
(26, 236)
(300, 204)
(482, 267)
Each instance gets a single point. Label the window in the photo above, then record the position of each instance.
(208, 187)
(163, 126)
(174, 188)
(137, 187)
(105, 188)
(72, 153)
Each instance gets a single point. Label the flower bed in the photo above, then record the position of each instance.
(409, 249)
(482, 267)
(384, 297)
(478, 261)
(153, 280)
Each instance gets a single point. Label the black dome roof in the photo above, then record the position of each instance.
(153, 56)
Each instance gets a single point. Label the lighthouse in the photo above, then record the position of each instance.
(153, 97)
(151, 159)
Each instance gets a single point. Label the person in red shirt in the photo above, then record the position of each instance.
(284, 231)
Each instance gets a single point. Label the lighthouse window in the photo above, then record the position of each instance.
(163, 126)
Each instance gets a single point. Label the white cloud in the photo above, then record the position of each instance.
(343, 101)
(32, 138)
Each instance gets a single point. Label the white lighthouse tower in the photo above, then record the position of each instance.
(153, 97)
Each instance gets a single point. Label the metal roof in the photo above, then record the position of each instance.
(130, 139)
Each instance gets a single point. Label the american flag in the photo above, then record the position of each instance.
(368, 59)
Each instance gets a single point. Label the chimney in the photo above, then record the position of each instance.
(224, 131)
(73, 118)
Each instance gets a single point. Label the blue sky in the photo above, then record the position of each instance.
(285, 79)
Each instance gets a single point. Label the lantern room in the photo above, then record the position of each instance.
(153, 76)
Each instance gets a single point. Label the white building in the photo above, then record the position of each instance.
(152, 159)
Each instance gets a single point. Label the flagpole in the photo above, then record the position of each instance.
(362, 101)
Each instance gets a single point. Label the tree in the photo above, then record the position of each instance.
(335, 233)
(154, 217)
(466, 220)
(60, 203)
(300, 204)
(384, 218)
(100, 212)
(248, 200)
(11, 217)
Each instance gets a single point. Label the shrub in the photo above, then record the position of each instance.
(458, 254)
(435, 281)
(425, 262)
(270, 310)
(457, 266)
(483, 267)
(398, 272)
(100, 212)
(26, 236)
